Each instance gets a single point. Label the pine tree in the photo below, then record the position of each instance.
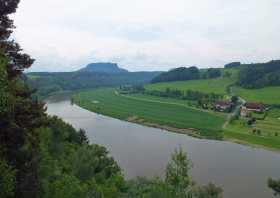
(20, 114)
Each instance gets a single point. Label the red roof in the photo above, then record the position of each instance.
(254, 105)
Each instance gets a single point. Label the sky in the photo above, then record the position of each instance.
(65, 35)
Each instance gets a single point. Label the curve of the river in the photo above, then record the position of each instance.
(241, 171)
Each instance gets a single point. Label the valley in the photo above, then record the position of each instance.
(190, 107)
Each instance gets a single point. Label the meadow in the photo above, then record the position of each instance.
(215, 85)
(267, 95)
(269, 130)
(110, 103)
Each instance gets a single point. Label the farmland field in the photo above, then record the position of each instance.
(267, 95)
(269, 130)
(107, 102)
(215, 85)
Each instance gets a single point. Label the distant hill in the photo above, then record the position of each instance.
(184, 73)
(92, 76)
(259, 75)
(103, 68)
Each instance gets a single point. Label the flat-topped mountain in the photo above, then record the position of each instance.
(103, 68)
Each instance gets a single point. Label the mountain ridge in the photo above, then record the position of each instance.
(103, 67)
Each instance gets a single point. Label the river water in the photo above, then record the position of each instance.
(241, 171)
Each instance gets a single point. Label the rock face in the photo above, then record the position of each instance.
(103, 68)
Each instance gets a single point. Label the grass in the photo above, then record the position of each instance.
(174, 101)
(215, 85)
(267, 95)
(33, 76)
(238, 129)
(107, 102)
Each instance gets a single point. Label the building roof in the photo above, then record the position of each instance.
(254, 105)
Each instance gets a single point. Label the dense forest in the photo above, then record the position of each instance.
(259, 75)
(251, 76)
(183, 73)
(47, 83)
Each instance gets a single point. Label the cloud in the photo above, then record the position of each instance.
(64, 35)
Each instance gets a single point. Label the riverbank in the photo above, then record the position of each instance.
(168, 116)
(144, 151)
(176, 118)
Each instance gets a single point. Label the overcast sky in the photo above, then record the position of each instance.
(64, 35)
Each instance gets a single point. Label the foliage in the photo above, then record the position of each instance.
(185, 74)
(20, 114)
(177, 174)
(208, 191)
(7, 180)
(213, 73)
(232, 65)
(265, 74)
(275, 186)
(177, 183)
(70, 169)
(47, 83)
(178, 74)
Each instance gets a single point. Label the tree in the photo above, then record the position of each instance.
(21, 115)
(177, 174)
(234, 99)
(7, 180)
(208, 191)
(178, 74)
(232, 65)
(83, 137)
(213, 73)
(275, 186)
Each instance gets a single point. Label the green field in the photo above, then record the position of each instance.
(269, 127)
(107, 102)
(167, 100)
(32, 77)
(215, 85)
(267, 95)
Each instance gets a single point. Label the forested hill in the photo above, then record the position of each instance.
(183, 73)
(103, 67)
(250, 76)
(92, 76)
(258, 75)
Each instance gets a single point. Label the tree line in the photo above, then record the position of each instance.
(47, 83)
(258, 75)
(183, 73)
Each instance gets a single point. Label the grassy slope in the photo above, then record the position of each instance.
(267, 95)
(106, 102)
(216, 85)
(236, 130)
(269, 126)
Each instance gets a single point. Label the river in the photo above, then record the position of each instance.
(241, 171)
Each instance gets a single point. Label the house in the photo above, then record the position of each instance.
(251, 107)
(254, 106)
(243, 111)
(223, 105)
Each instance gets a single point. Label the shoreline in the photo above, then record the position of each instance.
(190, 132)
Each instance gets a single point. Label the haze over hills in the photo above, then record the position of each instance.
(93, 75)
(103, 68)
